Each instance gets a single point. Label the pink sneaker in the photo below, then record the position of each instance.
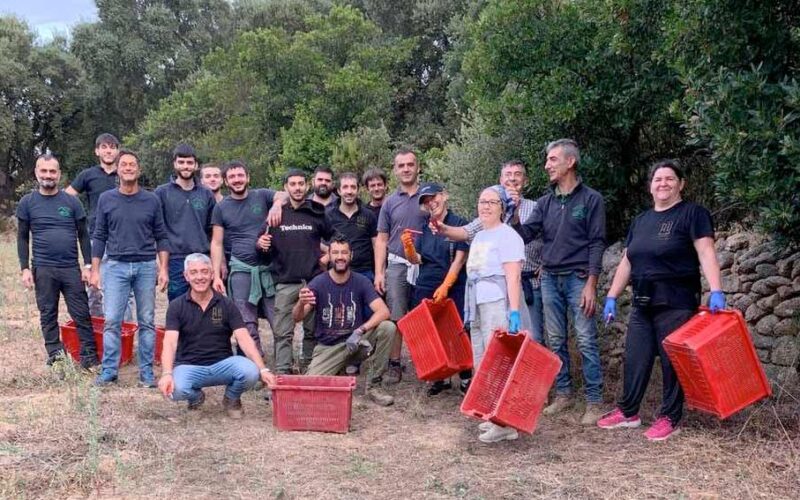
(661, 430)
(616, 419)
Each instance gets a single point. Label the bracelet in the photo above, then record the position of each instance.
(164, 374)
(265, 369)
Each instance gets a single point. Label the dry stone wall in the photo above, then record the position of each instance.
(759, 277)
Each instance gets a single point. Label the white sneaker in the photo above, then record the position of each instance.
(497, 433)
(485, 426)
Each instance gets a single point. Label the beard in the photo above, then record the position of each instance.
(48, 184)
(184, 175)
(341, 267)
(236, 191)
(322, 191)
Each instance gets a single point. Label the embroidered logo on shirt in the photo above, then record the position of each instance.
(665, 231)
(65, 211)
(579, 212)
(216, 315)
(198, 203)
(256, 208)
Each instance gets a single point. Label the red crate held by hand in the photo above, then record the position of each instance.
(312, 403)
(72, 343)
(511, 385)
(436, 339)
(716, 363)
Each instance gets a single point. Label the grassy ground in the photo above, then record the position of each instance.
(63, 438)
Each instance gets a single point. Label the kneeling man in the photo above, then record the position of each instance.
(197, 344)
(343, 335)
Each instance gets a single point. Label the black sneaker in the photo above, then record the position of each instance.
(464, 385)
(439, 386)
(198, 402)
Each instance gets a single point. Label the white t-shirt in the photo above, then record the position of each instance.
(490, 249)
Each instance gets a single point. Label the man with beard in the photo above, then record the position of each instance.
(95, 181)
(322, 186)
(375, 182)
(187, 209)
(130, 228)
(294, 248)
(358, 224)
(197, 344)
(344, 334)
(56, 221)
(239, 217)
(211, 179)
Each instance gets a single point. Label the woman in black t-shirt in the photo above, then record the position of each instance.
(664, 251)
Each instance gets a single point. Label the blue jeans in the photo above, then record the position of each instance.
(236, 373)
(536, 311)
(120, 279)
(562, 293)
(177, 282)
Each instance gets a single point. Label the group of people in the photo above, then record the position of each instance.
(348, 270)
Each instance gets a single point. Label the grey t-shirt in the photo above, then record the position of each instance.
(490, 249)
(400, 211)
(242, 220)
(187, 217)
(53, 224)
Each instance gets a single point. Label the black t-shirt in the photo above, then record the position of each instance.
(664, 262)
(187, 217)
(94, 181)
(242, 220)
(204, 337)
(359, 229)
(340, 307)
(53, 224)
(295, 248)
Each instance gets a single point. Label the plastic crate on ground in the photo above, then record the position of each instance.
(436, 339)
(511, 384)
(312, 403)
(71, 341)
(159, 344)
(716, 363)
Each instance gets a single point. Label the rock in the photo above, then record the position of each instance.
(754, 313)
(766, 286)
(785, 351)
(763, 355)
(766, 270)
(729, 284)
(743, 302)
(736, 242)
(786, 326)
(761, 341)
(745, 287)
(725, 259)
(612, 256)
(766, 325)
(785, 292)
(747, 278)
(769, 303)
(795, 269)
(786, 265)
(788, 308)
(785, 376)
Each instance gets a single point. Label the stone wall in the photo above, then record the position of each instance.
(759, 277)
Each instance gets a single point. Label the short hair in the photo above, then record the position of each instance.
(501, 195)
(348, 175)
(183, 151)
(515, 163)
(47, 157)
(404, 150)
(294, 172)
(106, 138)
(340, 239)
(372, 174)
(195, 257)
(324, 169)
(234, 164)
(210, 165)
(674, 165)
(129, 153)
(569, 146)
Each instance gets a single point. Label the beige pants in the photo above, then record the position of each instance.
(331, 359)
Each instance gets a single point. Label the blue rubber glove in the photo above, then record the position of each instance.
(513, 322)
(716, 302)
(610, 309)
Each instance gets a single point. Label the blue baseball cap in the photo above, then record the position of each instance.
(429, 189)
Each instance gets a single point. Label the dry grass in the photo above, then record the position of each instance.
(63, 438)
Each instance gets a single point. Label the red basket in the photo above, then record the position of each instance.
(716, 363)
(159, 344)
(312, 403)
(72, 343)
(436, 339)
(511, 384)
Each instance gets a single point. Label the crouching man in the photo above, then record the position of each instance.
(343, 335)
(197, 344)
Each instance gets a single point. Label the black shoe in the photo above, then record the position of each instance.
(464, 385)
(197, 403)
(439, 386)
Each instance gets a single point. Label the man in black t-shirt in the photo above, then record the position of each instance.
(197, 344)
(56, 221)
(344, 335)
(356, 223)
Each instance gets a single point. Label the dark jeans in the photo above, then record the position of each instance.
(50, 282)
(647, 329)
(177, 282)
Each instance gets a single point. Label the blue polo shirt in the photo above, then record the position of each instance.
(437, 253)
(400, 211)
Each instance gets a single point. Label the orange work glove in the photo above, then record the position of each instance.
(441, 293)
(408, 246)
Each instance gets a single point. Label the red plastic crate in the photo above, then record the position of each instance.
(71, 341)
(716, 363)
(511, 385)
(312, 403)
(436, 339)
(159, 344)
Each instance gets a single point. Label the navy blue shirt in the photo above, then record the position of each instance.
(437, 254)
(340, 307)
(94, 181)
(129, 227)
(359, 229)
(53, 223)
(187, 217)
(242, 220)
